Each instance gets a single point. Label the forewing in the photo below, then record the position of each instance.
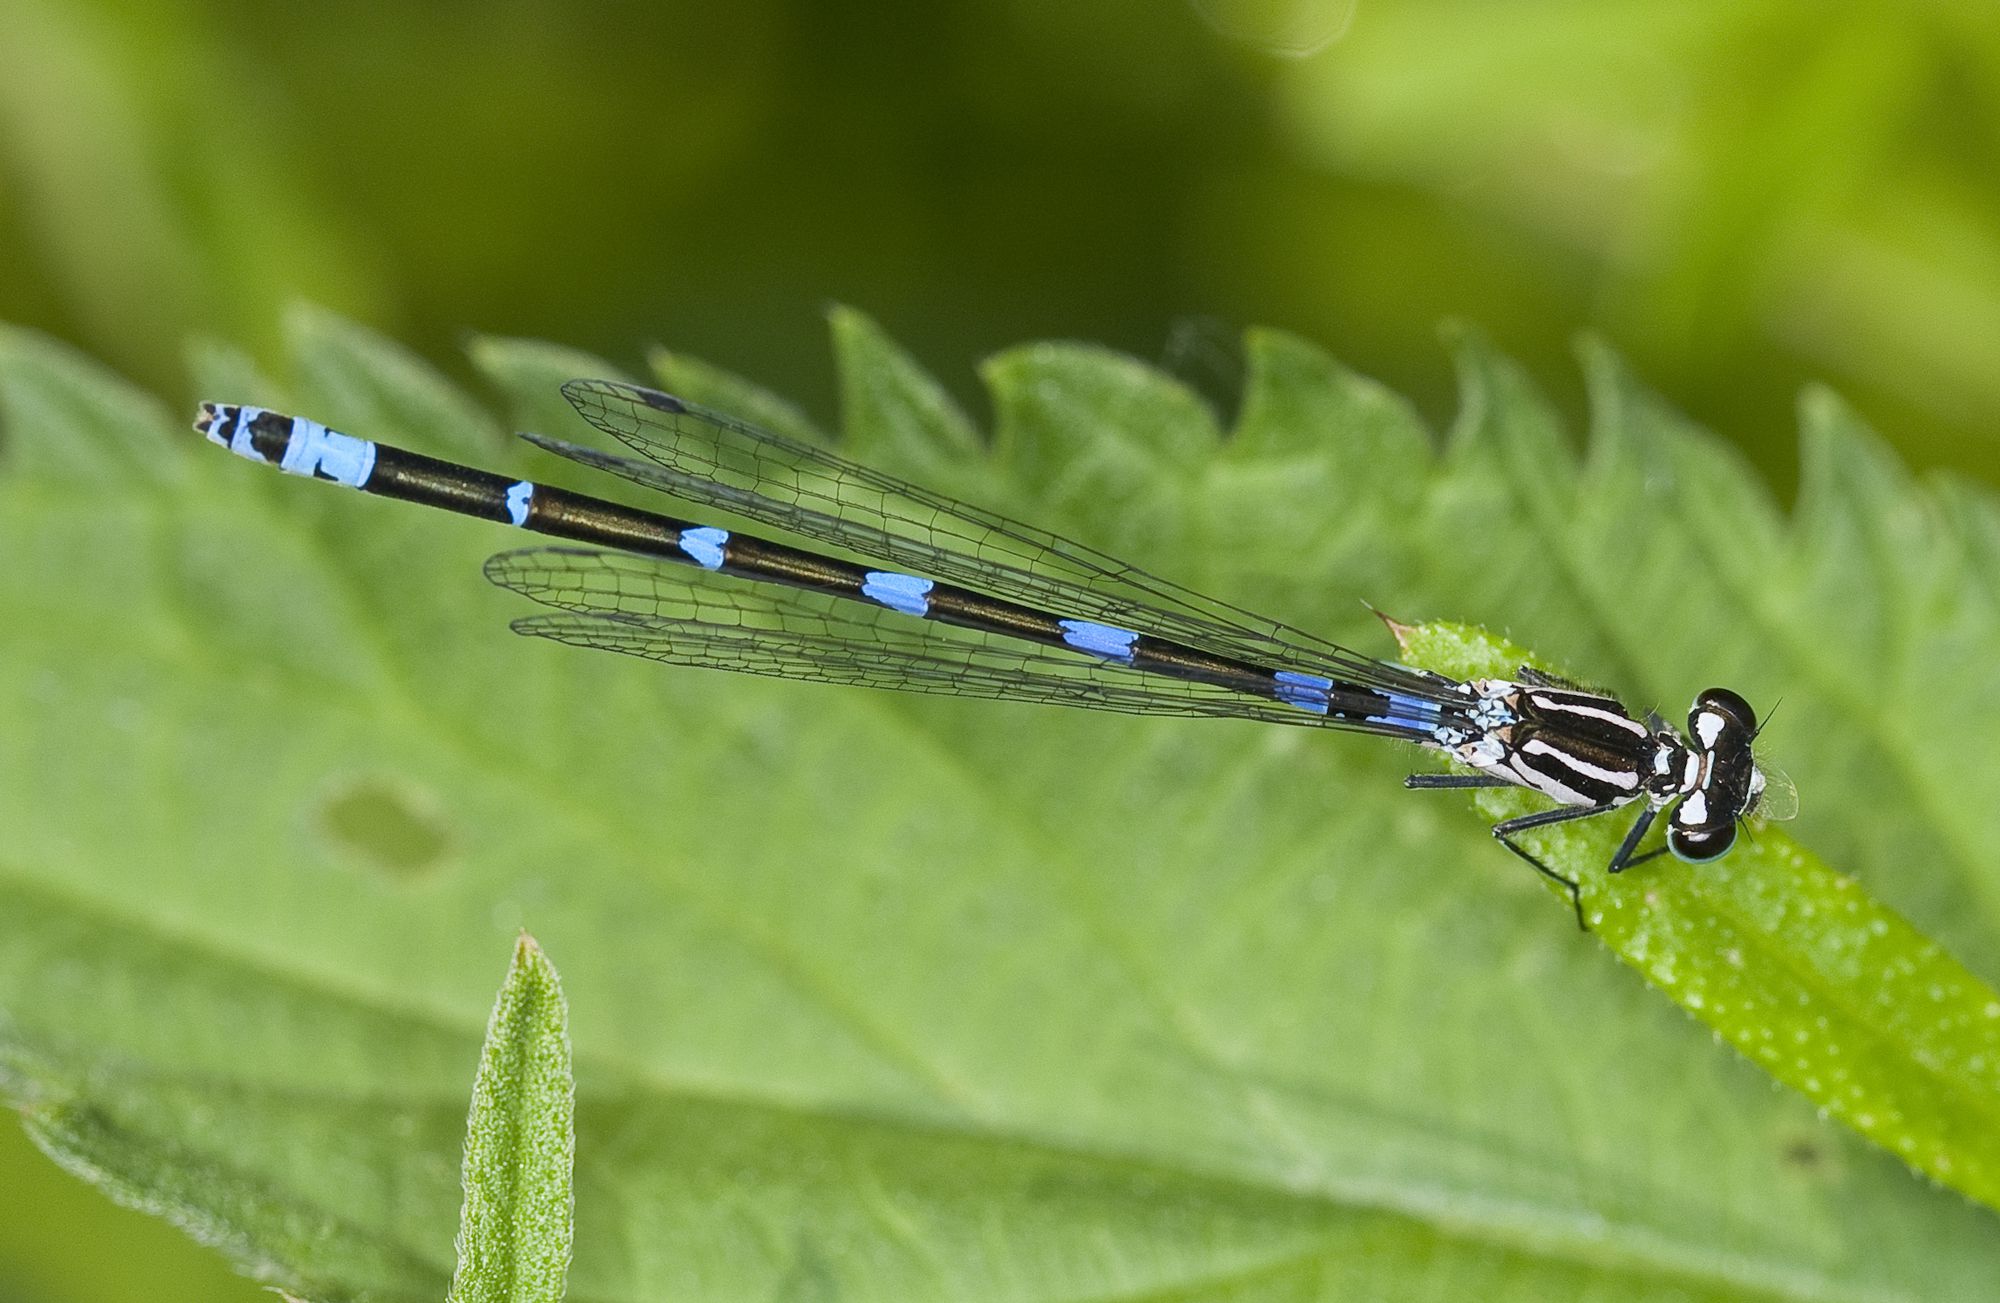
(640, 607)
(712, 459)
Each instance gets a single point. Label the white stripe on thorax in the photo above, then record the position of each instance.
(1537, 781)
(1623, 779)
(1615, 718)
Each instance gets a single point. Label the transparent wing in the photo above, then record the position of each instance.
(1779, 800)
(708, 458)
(639, 607)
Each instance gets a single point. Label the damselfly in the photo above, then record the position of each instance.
(956, 600)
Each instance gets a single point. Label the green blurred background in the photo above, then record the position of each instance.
(1742, 195)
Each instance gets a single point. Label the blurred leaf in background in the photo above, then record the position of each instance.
(1742, 197)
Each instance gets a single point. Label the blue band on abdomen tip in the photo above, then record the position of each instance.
(233, 432)
(325, 454)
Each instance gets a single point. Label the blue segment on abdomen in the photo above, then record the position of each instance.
(520, 497)
(704, 546)
(233, 432)
(1412, 713)
(909, 594)
(313, 450)
(1106, 640)
(1306, 691)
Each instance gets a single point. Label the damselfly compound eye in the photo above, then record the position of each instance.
(1700, 845)
(1730, 703)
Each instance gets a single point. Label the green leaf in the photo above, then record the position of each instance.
(706, 383)
(892, 997)
(514, 1230)
(893, 411)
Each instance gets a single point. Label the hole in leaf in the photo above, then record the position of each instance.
(386, 827)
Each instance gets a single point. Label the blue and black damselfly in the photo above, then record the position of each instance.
(959, 601)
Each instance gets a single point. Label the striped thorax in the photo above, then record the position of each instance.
(1583, 748)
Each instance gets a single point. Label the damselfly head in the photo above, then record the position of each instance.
(1717, 711)
(1724, 783)
(209, 417)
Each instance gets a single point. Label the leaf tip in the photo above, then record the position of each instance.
(845, 318)
(1821, 402)
(528, 952)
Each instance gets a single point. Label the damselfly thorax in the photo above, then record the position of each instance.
(1585, 750)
